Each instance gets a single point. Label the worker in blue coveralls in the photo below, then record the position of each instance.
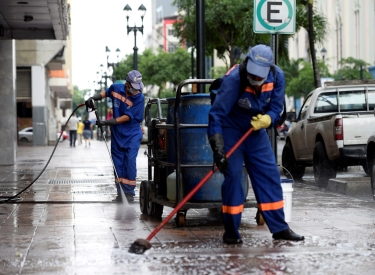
(231, 115)
(126, 133)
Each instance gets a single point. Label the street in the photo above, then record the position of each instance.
(67, 224)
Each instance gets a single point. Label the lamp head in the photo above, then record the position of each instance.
(142, 10)
(323, 52)
(128, 11)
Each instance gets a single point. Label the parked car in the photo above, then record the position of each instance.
(370, 157)
(64, 136)
(282, 131)
(144, 132)
(331, 130)
(26, 135)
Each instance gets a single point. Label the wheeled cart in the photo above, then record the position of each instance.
(179, 156)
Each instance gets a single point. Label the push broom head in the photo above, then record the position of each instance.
(139, 246)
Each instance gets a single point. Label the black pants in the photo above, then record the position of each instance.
(73, 137)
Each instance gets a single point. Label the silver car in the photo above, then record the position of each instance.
(26, 135)
(144, 132)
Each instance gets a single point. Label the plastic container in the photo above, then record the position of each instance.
(287, 186)
(171, 187)
(195, 148)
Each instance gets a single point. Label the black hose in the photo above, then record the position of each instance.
(15, 197)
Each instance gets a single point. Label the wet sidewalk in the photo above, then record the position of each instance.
(67, 224)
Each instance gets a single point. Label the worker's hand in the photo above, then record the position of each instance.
(260, 121)
(217, 146)
(90, 101)
(109, 122)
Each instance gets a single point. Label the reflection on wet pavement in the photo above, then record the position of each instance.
(67, 224)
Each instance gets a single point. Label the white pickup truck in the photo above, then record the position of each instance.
(331, 130)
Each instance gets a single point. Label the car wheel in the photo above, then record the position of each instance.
(291, 168)
(365, 168)
(324, 169)
(24, 140)
(371, 165)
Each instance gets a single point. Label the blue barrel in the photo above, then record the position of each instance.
(195, 148)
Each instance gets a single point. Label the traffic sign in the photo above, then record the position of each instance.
(274, 16)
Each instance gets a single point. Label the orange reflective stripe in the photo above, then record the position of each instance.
(127, 101)
(250, 90)
(128, 182)
(231, 69)
(271, 205)
(268, 87)
(233, 210)
(123, 99)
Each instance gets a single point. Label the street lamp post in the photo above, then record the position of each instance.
(99, 106)
(114, 64)
(106, 75)
(128, 10)
(323, 53)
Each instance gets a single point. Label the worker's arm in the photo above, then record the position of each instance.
(114, 121)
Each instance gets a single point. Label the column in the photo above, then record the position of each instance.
(38, 91)
(8, 107)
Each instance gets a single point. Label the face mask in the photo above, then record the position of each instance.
(255, 83)
(131, 90)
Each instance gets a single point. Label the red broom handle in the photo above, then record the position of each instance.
(197, 187)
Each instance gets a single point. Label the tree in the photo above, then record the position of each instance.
(124, 66)
(229, 26)
(291, 68)
(225, 28)
(78, 98)
(158, 69)
(311, 43)
(352, 68)
(304, 81)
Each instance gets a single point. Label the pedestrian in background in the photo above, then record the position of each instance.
(80, 128)
(126, 135)
(231, 115)
(87, 130)
(73, 125)
(109, 116)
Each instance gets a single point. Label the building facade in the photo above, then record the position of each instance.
(351, 29)
(34, 76)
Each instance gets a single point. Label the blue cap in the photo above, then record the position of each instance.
(135, 79)
(260, 60)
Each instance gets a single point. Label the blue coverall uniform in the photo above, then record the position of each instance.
(126, 137)
(230, 115)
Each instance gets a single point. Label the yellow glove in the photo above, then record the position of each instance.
(260, 121)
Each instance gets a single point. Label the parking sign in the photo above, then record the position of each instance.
(274, 16)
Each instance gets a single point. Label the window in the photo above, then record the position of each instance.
(353, 101)
(305, 106)
(326, 103)
(172, 47)
(371, 100)
(171, 32)
(349, 101)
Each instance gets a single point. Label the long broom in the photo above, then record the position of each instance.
(141, 245)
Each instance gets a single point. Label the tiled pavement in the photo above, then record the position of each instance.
(67, 224)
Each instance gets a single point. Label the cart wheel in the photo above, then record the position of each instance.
(180, 219)
(143, 197)
(259, 218)
(158, 211)
(150, 205)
